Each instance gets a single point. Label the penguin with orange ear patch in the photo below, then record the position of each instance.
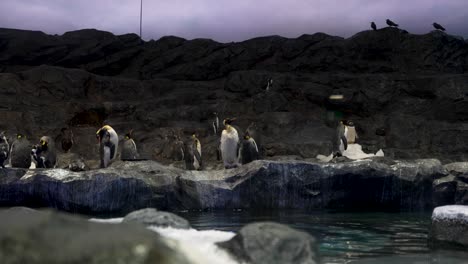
(45, 155)
(129, 148)
(108, 144)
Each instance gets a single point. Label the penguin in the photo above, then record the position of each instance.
(215, 123)
(20, 153)
(248, 150)
(391, 23)
(340, 143)
(44, 154)
(229, 144)
(67, 139)
(4, 149)
(373, 26)
(351, 134)
(253, 131)
(269, 84)
(438, 26)
(108, 144)
(129, 149)
(192, 157)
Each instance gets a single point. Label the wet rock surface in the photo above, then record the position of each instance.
(268, 242)
(153, 217)
(49, 237)
(406, 93)
(128, 186)
(449, 227)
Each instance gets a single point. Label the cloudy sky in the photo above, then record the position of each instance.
(233, 20)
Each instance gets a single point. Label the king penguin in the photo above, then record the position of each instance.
(20, 154)
(129, 148)
(45, 155)
(229, 144)
(108, 144)
(215, 123)
(340, 142)
(351, 134)
(248, 149)
(192, 157)
(4, 149)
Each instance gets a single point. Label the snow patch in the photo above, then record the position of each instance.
(451, 212)
(353, 152)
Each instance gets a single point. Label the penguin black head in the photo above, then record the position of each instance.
(44, 143)
(350, 123)
(20, 136)
(103, 133)
(129, 135)
(228, 121)
(247, 135)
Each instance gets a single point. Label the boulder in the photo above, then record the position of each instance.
(153, 217)
(131, 185)
(449, 227)
(49, 237)
(270, 243)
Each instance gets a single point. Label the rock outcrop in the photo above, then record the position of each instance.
(407, 94)
(449, 227)
(378, 184)
(268, 242)
(153, 217)
(49, 237)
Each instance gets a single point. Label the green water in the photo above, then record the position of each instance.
(347, 237)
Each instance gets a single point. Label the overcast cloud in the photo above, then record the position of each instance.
(233, 20)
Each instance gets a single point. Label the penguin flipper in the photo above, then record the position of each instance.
(218, 152)
(112, 151)
(345, 142)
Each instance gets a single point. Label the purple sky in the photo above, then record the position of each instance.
(233, 20)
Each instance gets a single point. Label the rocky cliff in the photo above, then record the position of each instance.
(406, 93)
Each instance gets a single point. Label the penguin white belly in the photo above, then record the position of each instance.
(229, 142)
(342, 149)
(107, 156)
(196, 164)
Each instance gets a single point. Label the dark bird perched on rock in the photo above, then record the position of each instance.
(215, 123)
(192, 151)
(391, 23)
(44, 154)
(438, 26)
(129, 148)
(20, 154)
(4, 149)
(248, 150)
(67, 139)
(373, 26)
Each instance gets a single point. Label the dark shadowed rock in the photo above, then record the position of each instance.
(444, 190)
(449, 227)
(48, 237)
(153, 217)
(128, 186)
(271, 243)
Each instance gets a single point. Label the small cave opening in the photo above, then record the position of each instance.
(92, 117)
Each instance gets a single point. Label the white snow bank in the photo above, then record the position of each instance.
(353, 152)
(451, 212)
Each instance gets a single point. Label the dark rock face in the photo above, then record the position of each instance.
(47, 237)
(271, 243)
(449, 227)
(152, 217)
(128, 186)
(405, 93)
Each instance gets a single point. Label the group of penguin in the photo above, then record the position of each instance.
(393, 24)
(21, 153)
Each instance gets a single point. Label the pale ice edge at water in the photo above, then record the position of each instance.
(451, 212)
(198, 245)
